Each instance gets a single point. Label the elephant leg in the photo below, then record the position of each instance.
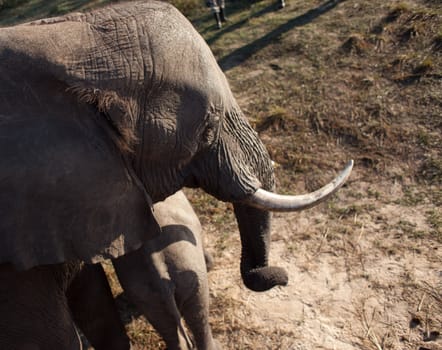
(34, 310)
(145, 280)
(94, 310)
(195, 311)
(163, 315)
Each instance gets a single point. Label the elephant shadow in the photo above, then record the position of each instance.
(171, 234)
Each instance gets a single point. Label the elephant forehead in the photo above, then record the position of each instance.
(169, 44)
(127, 48)
(175, 53)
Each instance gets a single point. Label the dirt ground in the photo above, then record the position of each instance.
(364, 288)
(356, 280)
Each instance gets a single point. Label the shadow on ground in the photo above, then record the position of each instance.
(240, 55)
(239, 24)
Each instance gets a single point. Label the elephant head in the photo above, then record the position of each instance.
(121, 106)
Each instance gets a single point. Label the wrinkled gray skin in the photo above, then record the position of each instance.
(102, 114)
(166, 280)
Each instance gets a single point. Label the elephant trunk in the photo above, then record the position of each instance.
(254, 227)
(253, 217)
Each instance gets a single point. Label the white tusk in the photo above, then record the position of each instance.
(270, 201)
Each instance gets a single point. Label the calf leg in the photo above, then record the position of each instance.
(145, 280)
(195, 311)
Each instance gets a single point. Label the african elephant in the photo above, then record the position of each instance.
(101, 115)
(166, 280)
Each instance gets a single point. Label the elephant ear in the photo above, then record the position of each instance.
(67, 191)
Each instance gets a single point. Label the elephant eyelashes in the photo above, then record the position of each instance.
(210, 134)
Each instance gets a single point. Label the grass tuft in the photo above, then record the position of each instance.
(396, 12)
(434, 218)
(277, 120)
(437, 43)
(431, 171)
(424, 67)
(355, 44)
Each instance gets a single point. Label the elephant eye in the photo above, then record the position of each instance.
(210, 134)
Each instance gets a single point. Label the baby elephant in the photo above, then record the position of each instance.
(166, 280)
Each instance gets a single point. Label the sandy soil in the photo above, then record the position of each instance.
(365, 288)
